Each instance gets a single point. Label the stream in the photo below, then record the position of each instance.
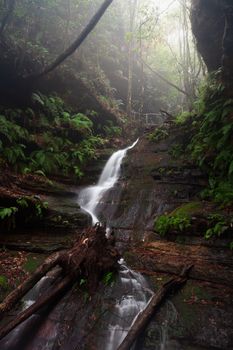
(134, 289)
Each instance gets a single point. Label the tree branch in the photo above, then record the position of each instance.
(75, 45)
(163, 78)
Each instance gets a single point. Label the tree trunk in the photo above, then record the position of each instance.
(75, 45)
(144, 317)
(42, 301)
(91, 256)
(23, 288)
(132, 10)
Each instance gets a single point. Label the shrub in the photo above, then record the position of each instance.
(165, 223)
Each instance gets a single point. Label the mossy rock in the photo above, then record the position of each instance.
(189, 209)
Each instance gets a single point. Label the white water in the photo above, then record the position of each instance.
(134, 298)
(133, 287)
(90, 197)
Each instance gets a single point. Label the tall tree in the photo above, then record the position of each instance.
(132, 15)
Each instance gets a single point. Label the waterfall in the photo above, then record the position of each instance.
(90, 197)
(135, 294)
(133, 287)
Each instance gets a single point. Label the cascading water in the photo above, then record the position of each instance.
(135, 293)
(90, 197)
(134, 288)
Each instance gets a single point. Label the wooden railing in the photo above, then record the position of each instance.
(148, 119)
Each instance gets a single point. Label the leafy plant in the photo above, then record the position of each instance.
(211, 145)
(7, 212)
(111, 130)
(8, 216)
(158, 135)
(183, 117)
(217, 230)
(22, 202)
(176, 151)
(108, 278)
(165, 223)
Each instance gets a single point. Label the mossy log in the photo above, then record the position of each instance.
(91, 256)
(24, 287)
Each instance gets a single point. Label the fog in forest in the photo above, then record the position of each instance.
(142, 53)
(116, 174)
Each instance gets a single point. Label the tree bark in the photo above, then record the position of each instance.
(44, 300)
(23, 288)
(75, 45)
(145, 316)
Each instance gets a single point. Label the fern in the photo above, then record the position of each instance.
(7, 212)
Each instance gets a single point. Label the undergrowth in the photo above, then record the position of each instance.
(211, 145)
(48, 139)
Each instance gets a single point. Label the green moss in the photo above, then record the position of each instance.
(3, 282)
(4, 287)
(32, 263)
(188, 209)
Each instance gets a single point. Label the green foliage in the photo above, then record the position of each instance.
(165, 223)
(183, 117)
(7, 212)
(22, 202)
(11, 131)
(81, 122)
(111, 130)
(65, 146)
(220, 191)
(158, 135)
(3, 282)
(39, 208)
(176, 151)
(7, 215)
(109, 278)
(211, 145)
(31, 264)
(219, 226)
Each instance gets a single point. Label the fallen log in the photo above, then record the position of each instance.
(17, 294)
(42, 301)
(90, 257)
(144, 317)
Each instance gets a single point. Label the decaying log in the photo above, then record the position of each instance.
(24, 287)
(144, 317)
(42, 301)
(90, 257)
